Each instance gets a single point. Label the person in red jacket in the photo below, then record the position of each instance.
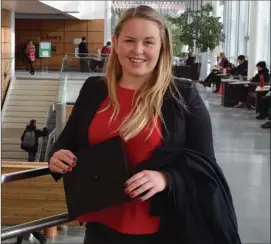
(106, 50)
(31, 56)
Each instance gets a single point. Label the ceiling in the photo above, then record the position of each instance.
(29, 7)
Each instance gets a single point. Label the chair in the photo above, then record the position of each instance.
(195, 71)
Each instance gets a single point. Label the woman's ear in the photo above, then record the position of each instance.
(115, 44)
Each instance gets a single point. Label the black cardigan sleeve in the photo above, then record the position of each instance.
(66, 139)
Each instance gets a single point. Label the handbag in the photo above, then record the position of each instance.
(97, 181)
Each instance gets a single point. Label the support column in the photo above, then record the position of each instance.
(215, 52)
(107, 21)
(12, 43)
(253, 36)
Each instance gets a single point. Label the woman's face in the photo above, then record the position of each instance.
(138, 47)
(30, 43)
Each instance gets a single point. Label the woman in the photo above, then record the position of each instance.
(165, 126)
(31, 52)
(212, 77)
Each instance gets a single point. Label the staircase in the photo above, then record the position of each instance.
(26, 99)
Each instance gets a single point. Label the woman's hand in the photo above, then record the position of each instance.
(62, 161)
(147, 181)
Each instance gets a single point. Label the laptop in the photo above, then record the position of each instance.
(97, 181)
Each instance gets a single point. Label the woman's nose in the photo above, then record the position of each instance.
(138, 48)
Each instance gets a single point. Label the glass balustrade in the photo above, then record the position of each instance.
(74, 71)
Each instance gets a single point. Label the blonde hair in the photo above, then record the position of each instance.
(149, 98)
(222, 55)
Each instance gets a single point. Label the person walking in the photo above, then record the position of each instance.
(31, 56)
(30, 138)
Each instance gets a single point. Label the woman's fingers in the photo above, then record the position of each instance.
(58, 167)
(62, 165)
(143, 188)
(148, 195)
(69, 154)
(135, 184)
(135, 177)
(66, 157)
(62, 161)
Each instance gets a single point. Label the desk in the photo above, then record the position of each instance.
(245, 83)
(233, 91)
(262, 89)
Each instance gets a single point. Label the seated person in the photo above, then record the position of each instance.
(262, 70)
(264, 106)
(224, 63)
(241, 69)
(106, 50)
(190, 60)
(211, 78)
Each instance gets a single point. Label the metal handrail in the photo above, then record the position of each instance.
(5, 77)
(20, 230)
(52, 136)
(26, 174)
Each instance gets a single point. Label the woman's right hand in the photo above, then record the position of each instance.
(62, 161)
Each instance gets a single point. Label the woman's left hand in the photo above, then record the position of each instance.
(147, 181)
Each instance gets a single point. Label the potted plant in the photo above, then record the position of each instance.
(199, 27)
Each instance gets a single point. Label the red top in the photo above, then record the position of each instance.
(106, 50)
(31, 50)
(133, 216)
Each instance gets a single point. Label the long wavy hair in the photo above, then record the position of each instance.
(148, 101)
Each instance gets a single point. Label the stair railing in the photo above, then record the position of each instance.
(51, 140)
(7, 75)
(41, 139)
(25, 228)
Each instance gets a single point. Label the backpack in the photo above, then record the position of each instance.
(29, 139)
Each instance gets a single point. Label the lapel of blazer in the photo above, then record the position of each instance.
(92, 103)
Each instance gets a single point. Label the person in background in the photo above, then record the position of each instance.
(255, 81)
(98, 53)
(191, 59)
(241, 69)
(106, 50)
(262, 70)
(264, 106)
(224, 63)
(30, 52)
(83, 52)
(212, 77)
(30, 139)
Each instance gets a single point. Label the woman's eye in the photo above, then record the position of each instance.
(128, 40)
(149, 42)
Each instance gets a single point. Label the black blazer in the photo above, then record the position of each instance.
(196, 207)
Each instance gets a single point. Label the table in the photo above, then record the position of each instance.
(262, 89)
(230, 95)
